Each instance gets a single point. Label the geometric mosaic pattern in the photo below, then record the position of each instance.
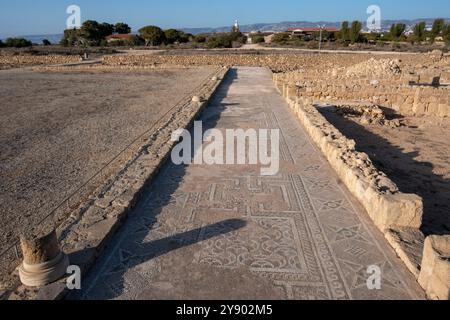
(225, 232)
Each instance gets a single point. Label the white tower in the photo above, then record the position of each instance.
(236, 26)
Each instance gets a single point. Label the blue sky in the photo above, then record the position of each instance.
(27, 17)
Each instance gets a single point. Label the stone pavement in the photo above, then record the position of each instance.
(225, 232)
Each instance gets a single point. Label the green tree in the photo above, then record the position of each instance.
(173, 35)
(438, 27)
(397, 31)
(344, 34)
(2, 45)
(220, 40)
(355, 31)
(446, 33)
(90, 31)
(72, 37)
(280, 37)
(122, 28)
(135, 41)
(45, 42)
(105, 29)
(420, 31)
(258, 38)
(93, 32)
(200, 38)
(152, 35)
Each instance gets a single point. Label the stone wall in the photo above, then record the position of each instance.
(396, 214)
(394, 92)
(276, 62)
(380, 196)
(8, 61)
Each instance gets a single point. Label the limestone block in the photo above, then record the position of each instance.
(435, 273)
(408, 244)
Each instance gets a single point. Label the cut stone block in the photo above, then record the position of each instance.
(435, 274)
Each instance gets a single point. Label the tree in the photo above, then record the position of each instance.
(438, 27)
(2, 45)
(90, 30)
(45, 42)
(105, 29)
(93, 32)
(122, 28)
(222, 40)
(355, 31)
(397, 31)
(200, 38)
(72, 37)
(280, 37)
(173, 35)
(345, 31)
(152, 35)
(258, 38)
(419, 31)
(446, 33)
(135, 41)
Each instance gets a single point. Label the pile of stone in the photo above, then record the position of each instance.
(8, 60)
(373, 67)
(366, 115)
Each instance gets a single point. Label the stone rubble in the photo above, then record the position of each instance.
(375, 68)
(366, 115)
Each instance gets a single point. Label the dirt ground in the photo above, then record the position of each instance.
(59, 129)
(415, 156)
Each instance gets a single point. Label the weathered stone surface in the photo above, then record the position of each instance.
(408, 244)
(435, 273)
(51, 292)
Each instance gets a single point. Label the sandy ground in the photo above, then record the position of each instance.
(415, 156)
(59, 129)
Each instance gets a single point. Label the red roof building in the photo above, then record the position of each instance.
(310, 30)
(115, 37)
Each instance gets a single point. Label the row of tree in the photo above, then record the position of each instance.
(15, 43)
(155, 36)
(397, 32)
(350, 33)
(93, 33)
(439, 29)
(420, 32)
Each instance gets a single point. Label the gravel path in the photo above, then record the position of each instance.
(59, 129)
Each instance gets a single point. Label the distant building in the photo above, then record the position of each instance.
(269, 38)
(308, 32)
(119, 37)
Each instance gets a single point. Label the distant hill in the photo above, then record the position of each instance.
(53, 38)
(262, 27)
(283, 26)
